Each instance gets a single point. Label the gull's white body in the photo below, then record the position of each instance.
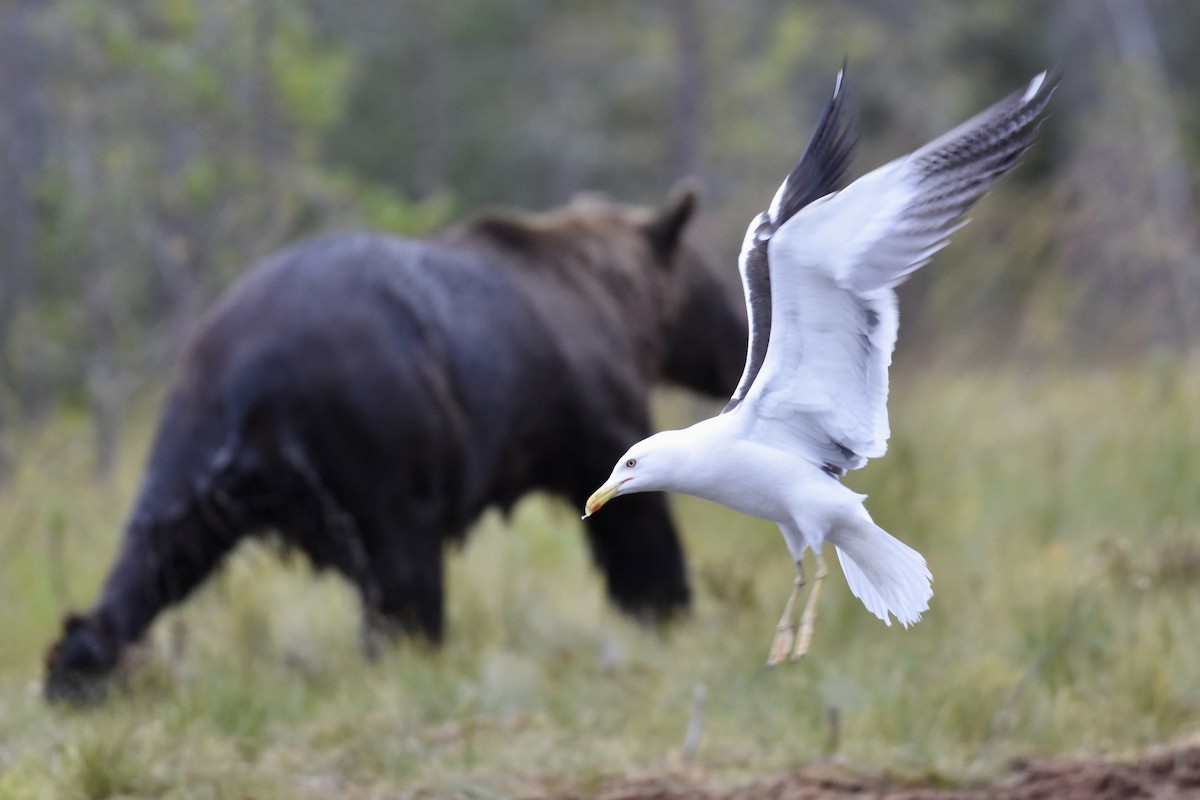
(720, 460)
(733, 478)
(819, 269)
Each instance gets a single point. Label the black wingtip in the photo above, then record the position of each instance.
(822, 168)
(970, 159)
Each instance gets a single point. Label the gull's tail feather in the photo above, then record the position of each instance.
(883, 572)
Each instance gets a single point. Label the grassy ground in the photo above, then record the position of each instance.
(1060, 516)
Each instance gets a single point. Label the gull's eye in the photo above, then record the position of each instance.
(631, 462)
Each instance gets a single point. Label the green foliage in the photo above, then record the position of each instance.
(1062, 539)
(181, 147)
(310, 76)
(383, 208)
(100, 765)
(181, 17)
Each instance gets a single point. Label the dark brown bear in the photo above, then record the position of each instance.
(368, 396)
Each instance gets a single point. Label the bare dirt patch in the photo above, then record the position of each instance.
(1166, 774)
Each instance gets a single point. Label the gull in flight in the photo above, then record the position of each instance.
(819, 268)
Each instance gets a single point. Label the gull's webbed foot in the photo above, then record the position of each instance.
(785, 631)
(809, 617)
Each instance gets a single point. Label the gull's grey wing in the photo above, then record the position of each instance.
(819, 172)
(823, 384)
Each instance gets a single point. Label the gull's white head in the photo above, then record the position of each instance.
(651, 465)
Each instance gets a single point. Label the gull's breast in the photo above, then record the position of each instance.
(757, 480)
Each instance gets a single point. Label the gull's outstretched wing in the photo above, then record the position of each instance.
(822, 388)
(819, 172)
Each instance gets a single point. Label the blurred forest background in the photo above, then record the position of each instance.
(151, 151)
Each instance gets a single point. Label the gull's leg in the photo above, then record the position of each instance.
(809, 617)
(785, 631)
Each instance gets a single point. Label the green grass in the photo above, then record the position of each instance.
(1060, 516)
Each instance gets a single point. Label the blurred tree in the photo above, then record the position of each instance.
(1120, 274)
(22, 157)
(1173, 195)
(688, 119)
(523, 103)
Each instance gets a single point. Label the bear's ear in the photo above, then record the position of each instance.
(665, 228)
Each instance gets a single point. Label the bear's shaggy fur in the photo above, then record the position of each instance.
(367, 396)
